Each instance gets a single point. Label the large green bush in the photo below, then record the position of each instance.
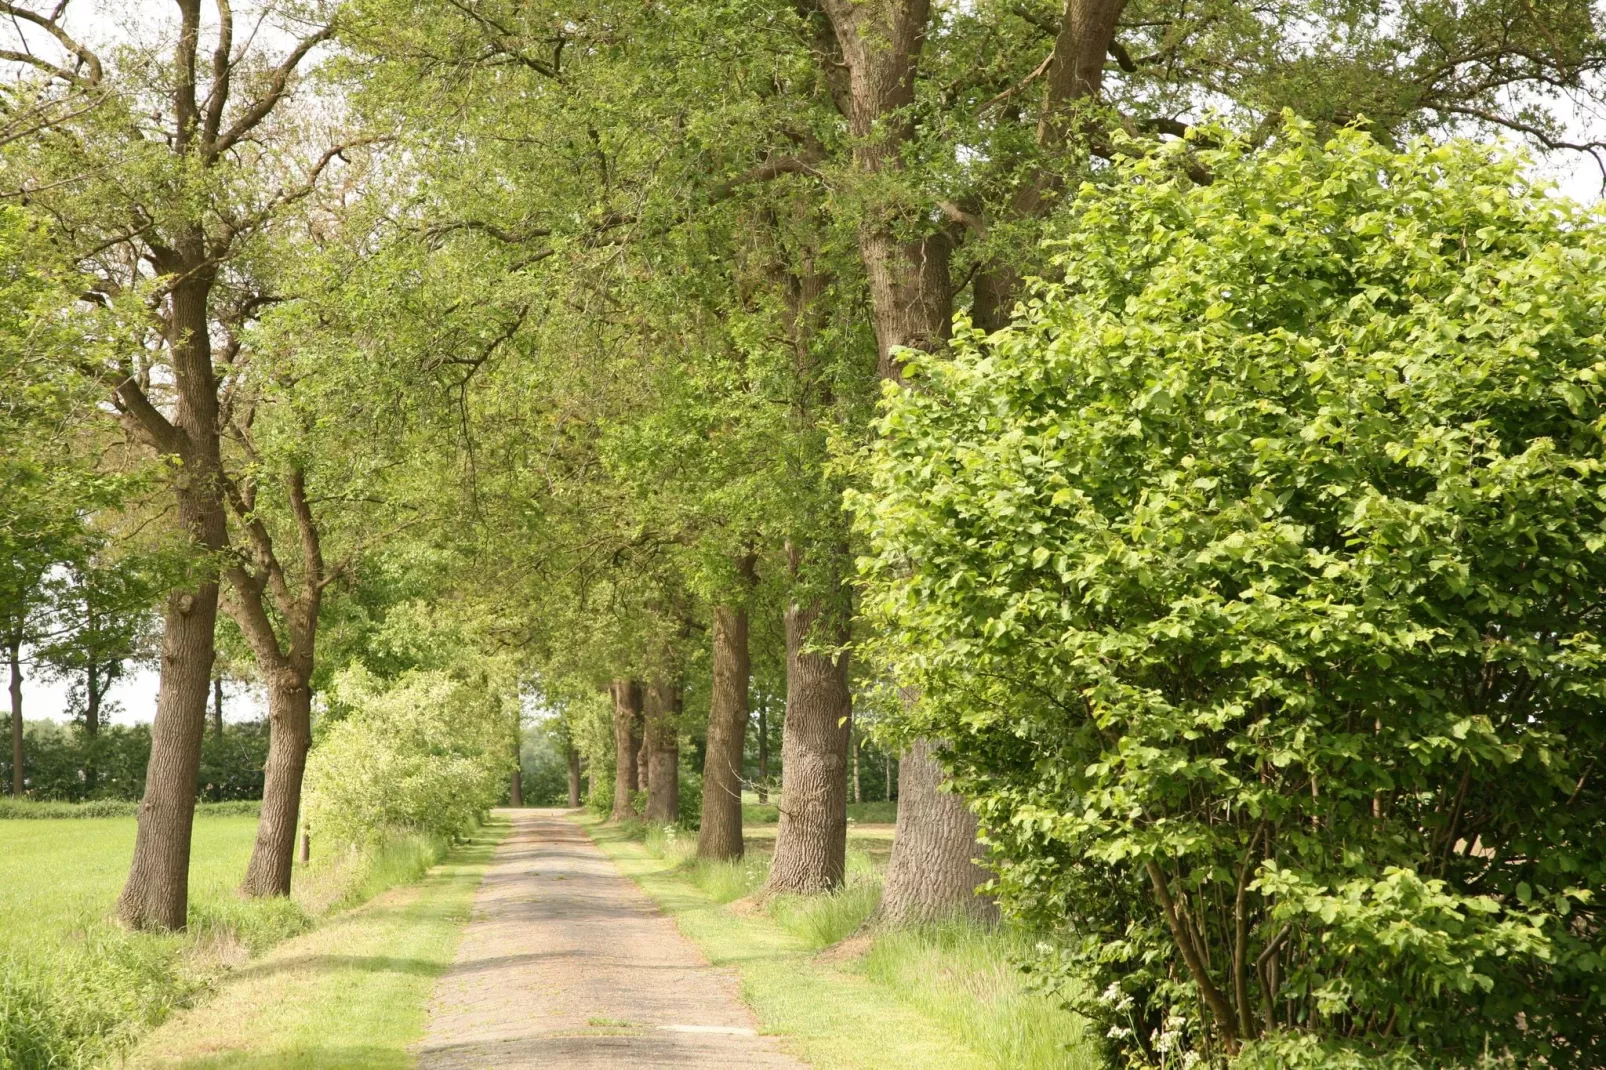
(1255, 576)
(429, 753)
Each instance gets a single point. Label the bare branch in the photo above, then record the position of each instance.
(277, 85)
(49, 24)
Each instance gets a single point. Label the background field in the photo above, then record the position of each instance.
(75, 987)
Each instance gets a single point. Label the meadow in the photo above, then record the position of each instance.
(76, 988)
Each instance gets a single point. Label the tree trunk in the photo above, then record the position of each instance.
(626, 714)
(14, 655)
(763, 750)
(720, 836)
(811, 839)
(93, 690)
(290, 715)
(886, 772)
(574, 778)
(661, 741)
(515, 788)
(217, 706)
(157, 892)
(933, 873)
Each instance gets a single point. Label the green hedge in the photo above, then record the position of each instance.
(62, 763)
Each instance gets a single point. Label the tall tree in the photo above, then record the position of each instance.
(162, 178)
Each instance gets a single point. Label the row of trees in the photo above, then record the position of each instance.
(493, 331)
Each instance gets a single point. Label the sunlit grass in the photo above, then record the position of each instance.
(948, 996)
(352, 993)
(75, 987)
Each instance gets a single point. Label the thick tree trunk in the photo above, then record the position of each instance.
(626, 715)
(661, 741)
(720, 836)
(643, 761)
(14, 657)
(290, 714)
(157, 892)
(574, 778)
(515, 788)
(811, 839)
(933, 873)
(763, 751)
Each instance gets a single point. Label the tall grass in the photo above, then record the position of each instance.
(965, 977)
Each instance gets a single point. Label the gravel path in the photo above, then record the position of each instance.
(566, 963)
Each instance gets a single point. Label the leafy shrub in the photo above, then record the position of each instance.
(428, 753)
(1254, 574)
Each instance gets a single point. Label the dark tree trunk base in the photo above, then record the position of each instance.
(720, 835)
(626, 715)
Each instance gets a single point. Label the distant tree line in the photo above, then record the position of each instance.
(64, 763)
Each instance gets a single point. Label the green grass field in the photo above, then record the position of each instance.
(945, 997)
(350, 994)
(75, 988)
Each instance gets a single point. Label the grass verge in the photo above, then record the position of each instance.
(76, 989)
(350, 994)
(941, 997)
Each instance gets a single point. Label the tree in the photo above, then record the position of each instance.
(1252, 574)
(159, 180)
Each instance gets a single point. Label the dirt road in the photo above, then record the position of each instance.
(565, 963)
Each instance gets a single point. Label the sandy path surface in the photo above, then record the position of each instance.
(566, 963)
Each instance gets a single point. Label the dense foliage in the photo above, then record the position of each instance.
(57, 760)
(427, 753)
(1254, 577)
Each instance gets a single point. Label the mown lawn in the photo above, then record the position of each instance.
(946, 997)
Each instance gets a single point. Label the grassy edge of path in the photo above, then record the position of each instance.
(351, 993)
(833, 1018)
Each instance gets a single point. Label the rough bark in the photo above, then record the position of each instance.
(286, 663)
(811, 839)
(289, 738)
(643, 761)
(911, 294)
(217, 706)
(933, 873)
(626, 715)
(574, 778)
(157, 892)
(515, 788)
(1074, 79)
(14, 657)
(720, 836)
(661, 740)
